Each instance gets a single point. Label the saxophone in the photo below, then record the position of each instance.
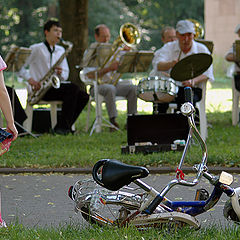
(50, 79)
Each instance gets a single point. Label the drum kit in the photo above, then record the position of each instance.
(164, 89)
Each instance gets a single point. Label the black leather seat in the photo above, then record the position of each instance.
(115, 174)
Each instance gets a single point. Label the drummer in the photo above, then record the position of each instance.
(174, 51)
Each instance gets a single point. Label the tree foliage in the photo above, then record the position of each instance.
(112, 13)
(21, 21)
(155, 14)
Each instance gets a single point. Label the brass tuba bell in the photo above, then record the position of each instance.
(200, 34)
(198, 28)
(128, 35)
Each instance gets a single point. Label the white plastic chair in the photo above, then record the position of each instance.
(235, 104)
(53, 113)
(235, 95)
(201, 105)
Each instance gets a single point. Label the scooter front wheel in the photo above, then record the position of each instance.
(229, 213)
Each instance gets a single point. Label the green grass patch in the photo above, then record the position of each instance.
(82, 150)
(96, 233)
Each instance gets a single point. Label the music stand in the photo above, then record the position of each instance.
(15, 59)
(98, 58)
(136, 61)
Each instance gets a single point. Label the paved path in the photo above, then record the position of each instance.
(41, 200)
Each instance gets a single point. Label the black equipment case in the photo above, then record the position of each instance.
(155, 133)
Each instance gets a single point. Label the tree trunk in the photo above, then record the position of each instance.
(74, 21)
(52, 9)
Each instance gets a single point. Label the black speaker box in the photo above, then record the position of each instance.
(42, 120)
(156, 129)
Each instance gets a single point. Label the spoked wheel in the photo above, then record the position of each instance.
(111, 215)
(103, 207)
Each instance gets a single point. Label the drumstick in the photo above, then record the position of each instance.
(179, 55)
(165, 74)
(179, 83)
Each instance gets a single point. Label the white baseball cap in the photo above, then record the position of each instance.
(185, 26)
(237, 28)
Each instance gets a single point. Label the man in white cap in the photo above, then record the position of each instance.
(173, 52)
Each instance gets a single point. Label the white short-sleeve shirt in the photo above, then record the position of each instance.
(171, 51)
(40, 62)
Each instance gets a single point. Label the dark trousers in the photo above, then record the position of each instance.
(74, 100)
(237, 81)
(180, 99)
(18, 111)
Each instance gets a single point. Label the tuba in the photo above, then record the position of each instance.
(50, 79)
(199, 30)
(130, 36)
(200, 35)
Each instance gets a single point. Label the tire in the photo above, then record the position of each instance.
(229, 212)
(168, 220)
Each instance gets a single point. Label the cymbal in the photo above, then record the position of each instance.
(191, 66)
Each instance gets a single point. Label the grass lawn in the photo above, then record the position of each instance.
(96, 233)
(82, 150)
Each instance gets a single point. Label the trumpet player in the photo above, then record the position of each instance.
(108, 90)
(43, 56)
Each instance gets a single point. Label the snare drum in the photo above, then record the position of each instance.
(157, 89)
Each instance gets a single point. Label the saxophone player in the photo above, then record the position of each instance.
(40, 61)
(108, 90)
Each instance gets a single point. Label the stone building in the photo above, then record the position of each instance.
(221, 19)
